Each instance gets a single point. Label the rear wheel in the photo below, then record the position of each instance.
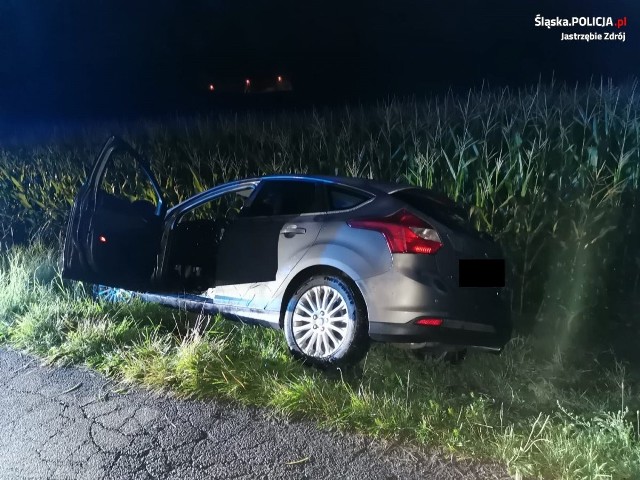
(325, 323)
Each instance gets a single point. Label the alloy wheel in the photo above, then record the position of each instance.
(320, 321)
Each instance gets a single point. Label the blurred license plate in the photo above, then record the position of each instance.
(481, 272)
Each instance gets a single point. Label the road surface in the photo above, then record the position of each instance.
(73, 423)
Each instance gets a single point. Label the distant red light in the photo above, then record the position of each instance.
(279, 78)
(247, 81)
(211, 87)
(102, 239)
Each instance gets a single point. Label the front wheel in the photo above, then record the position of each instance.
(325, 323)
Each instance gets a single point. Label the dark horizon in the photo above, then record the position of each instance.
(76, 60)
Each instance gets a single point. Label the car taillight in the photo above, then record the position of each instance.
(404, 232)
(429, 322)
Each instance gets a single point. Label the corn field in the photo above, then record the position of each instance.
(551, 171)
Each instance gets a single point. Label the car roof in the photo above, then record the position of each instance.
(375, 186)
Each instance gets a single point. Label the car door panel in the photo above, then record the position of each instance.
(123, 241)
(261, 247)
(112, 240)
(291, 249)
(248, 252)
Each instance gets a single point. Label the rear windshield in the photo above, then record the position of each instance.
(440, 208)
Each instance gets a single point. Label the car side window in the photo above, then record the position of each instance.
(341, 198)
(285, 197)
(226, 206)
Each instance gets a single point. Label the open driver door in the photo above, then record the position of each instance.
(116, 222)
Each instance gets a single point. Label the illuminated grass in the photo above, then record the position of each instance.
(541, 411)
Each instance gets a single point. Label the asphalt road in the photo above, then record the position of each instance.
(71, 423)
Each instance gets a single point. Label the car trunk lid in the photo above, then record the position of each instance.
(462, 242)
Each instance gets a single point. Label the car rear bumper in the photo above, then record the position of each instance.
(415, 288)
(451, 332)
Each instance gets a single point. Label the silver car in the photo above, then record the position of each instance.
(334, 262)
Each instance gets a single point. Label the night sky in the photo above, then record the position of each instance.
(110, 56)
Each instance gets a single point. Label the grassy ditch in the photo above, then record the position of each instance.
(543, 411)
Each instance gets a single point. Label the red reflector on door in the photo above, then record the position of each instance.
(429, 322)
(102, 239)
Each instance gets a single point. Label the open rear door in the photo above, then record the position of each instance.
(116, 222)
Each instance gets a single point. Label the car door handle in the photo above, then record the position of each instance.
(290, 230)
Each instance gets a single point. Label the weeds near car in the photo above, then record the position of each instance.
(543, 412)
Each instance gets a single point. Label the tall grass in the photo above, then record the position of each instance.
(541, 411)
(551, 170)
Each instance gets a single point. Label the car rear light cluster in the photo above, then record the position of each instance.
(404, 232)
(429, 322)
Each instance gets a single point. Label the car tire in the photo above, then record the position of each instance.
(102, 293)
(325, 322)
